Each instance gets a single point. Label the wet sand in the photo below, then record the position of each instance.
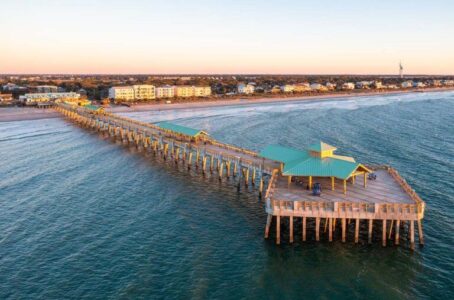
(9, 114)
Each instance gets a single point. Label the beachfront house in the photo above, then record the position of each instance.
(246, 88)
(35, 98)
(318, 87)
(348, 86)
(418, 84)
(288, 88)
(302, 87)
(407, 84)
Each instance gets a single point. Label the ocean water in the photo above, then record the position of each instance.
(83, 217)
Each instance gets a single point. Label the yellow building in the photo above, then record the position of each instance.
(184, 91)
(202, 91)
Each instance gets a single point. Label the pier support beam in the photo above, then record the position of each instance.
(384, 233)
(357, 231)
(269, 218)
(278, 230)
(317, 229)
(304, 229)
(332, 183)
(396, 234)
(412, 235)
(291, 228)
(344, 227)
(330, 230)
(369, 235)
(420, 233)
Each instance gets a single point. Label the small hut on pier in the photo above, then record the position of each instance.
(317, 162)
(183, 132)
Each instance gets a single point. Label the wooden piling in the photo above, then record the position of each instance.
(269, 218)
(357, 231)
(317, 229)
(330, 230)
(278, 230)
(384, 233)
(304, 229)
(344, 227)
(369, 235)
(412, 234)
(291, 228)
(396, 234)
(420, 233)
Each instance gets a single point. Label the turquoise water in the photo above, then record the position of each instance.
(82, 217)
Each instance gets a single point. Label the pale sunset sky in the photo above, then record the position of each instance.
(210, 36)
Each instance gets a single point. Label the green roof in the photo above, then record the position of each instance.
(321, 146)
(180, 129)
(282, 154)
(91, 107)
(302, 163)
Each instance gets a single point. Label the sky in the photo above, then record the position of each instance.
(213, 36)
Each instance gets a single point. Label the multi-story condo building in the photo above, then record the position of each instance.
(144, 92)
(184, 91)
(202, 91)
(348, 86)
(166, 91)
(130, 93)
(125, 93)
(302, 87)
(33, 98)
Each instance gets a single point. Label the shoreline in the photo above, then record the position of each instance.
(262, 100)
(11, 114)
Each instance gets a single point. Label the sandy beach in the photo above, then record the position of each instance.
(9, 114)
(249, 101)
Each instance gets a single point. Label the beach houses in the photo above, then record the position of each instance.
(348, 86)
(302, 87)
(185, 91)
(288, 88)
(246, 88)
(318, 87)
(407, 84)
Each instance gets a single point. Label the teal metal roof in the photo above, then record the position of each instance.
(302, 163)
(91, 107)
(180, 129)
(321, 146)
(282, 154)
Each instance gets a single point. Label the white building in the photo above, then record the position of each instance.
(246, 88)
(166, 91)
(348, 86)
(407, 84)
(330, 86)
(47, 89)
(45, 97)
(125, 93)
(419, 84)
(377, 84)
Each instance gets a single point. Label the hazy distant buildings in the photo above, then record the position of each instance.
(288, 88)
(47, 89)
(33, 98)
(407, 84)
(302, 87)
(6, 98)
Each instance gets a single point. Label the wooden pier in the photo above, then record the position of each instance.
(388, 201)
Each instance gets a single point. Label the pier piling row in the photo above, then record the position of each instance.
(208, 155)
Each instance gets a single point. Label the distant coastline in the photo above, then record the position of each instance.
(10, 114)
(213, 102)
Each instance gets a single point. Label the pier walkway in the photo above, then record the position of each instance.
(293, 178)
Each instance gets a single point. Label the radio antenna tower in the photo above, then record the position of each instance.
(401, 70)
